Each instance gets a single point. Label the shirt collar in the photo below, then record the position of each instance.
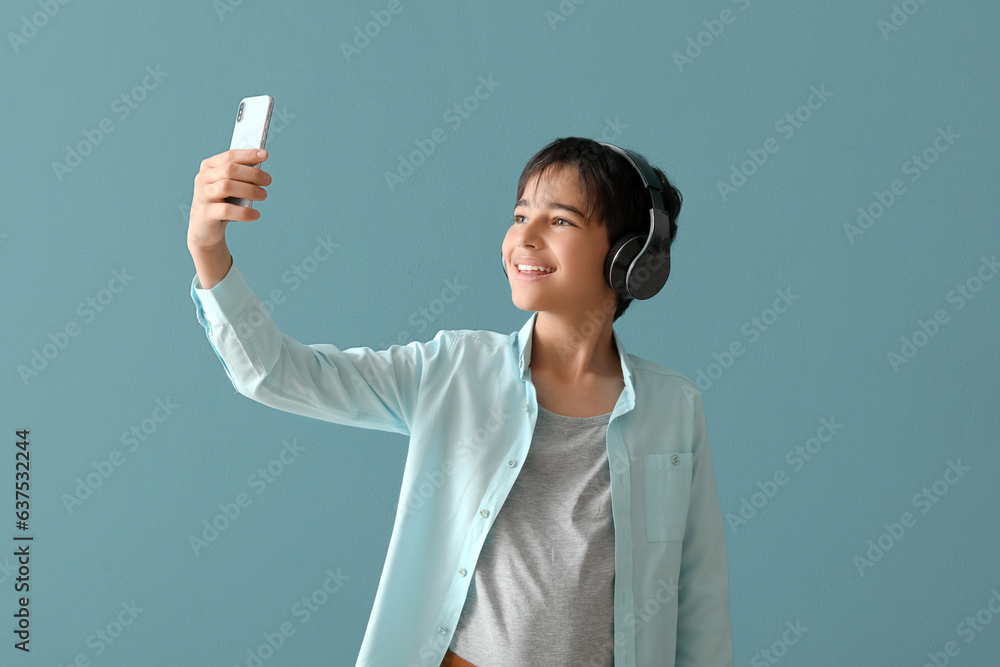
(521, 347)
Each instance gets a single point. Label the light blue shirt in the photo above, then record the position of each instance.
(467, 403)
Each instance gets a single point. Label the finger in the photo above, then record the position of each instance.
(231, 188)
(236, 172)
(226, 211)
(240, 155)
(241, 172)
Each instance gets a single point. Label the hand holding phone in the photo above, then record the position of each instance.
(252, 120)
(228, 183)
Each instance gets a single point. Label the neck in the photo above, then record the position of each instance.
(574, 348)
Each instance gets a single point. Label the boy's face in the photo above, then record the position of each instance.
(550, 227)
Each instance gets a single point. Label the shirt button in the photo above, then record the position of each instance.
(525, 407)
(511, 463)
(484, 513)
(462, 572)
(675, 460)
(443, 630)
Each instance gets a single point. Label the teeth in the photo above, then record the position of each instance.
(528, 267)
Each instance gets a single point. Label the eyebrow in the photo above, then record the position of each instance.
(555, 204)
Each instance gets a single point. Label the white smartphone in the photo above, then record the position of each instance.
(252, 121)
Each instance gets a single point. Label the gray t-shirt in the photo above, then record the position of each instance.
(543, 590)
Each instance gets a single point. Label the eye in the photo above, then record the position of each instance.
(568, 222)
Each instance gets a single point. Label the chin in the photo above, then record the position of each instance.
(527, 304)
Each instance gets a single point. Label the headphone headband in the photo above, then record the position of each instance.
(649, 178)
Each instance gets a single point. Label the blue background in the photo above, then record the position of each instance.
(600, 70)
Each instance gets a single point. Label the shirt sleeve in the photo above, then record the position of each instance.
(704, 637)
(359, 386)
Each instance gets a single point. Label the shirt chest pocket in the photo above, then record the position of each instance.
(667, 479)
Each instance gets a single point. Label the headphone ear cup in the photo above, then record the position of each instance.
(618, 259)
(655, 265)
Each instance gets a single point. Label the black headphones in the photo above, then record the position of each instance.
(637, 265)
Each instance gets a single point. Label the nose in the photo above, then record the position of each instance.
(526, 234)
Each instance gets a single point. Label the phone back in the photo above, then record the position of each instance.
(252, 120)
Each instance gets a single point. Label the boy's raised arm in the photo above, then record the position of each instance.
(359, 386)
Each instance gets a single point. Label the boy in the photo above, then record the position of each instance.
(558, 503)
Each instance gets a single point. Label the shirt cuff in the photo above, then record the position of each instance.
(225, 300)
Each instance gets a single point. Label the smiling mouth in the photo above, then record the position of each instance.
(533, 272)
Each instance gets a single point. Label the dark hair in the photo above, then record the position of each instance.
(612, 187)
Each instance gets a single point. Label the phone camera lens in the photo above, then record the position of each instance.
(239, 115)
